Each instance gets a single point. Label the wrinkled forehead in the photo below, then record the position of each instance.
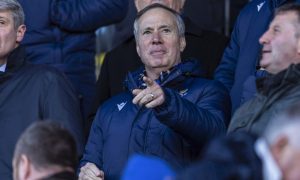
(285, 18)
(6, 14)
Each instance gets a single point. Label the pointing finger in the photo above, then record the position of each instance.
(148, 81)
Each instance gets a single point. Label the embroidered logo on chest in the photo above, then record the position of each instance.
(121, 105)
(183, 92)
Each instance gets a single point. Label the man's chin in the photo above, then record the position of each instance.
(263, 63)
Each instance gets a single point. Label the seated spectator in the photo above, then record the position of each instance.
(241, 57)
(45, 151)
(205, 46)
(275, 155)
(168, 110)
(29, 92)
(281, 58)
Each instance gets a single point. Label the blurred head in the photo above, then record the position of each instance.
(177, 5)
(281, 43)
(159, 35)
(44, 148)
(283, 138)
(12, 27)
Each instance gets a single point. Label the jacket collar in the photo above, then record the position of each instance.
(15, 61)
(16, 58)
(289, 76)
(177, 74)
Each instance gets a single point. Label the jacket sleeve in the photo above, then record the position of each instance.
(225, 72)
(62, 105)
(200, 121)
(87, 15)
(93, 149)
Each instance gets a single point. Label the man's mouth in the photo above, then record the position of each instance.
(157, 52)
(266, 51)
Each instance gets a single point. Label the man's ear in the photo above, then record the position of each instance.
(24, 167)
(182, 43)
(20, 33)
(278, 147)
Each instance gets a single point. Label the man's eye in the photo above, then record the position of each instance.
(2, 22)
(276, 30)
(166, 30)
(146, 32)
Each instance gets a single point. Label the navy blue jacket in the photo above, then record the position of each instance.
(61, 33)
(29, 93)
(194, 111)
(241, 57)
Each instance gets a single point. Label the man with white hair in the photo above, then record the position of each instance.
(167, 111)
(206, 46)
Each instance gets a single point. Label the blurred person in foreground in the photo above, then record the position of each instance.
(45, 151)
(274, 155)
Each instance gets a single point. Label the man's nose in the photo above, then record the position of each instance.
(156, 38)
(264, 38)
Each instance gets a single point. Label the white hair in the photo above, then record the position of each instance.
(285, 124)
(179, 21)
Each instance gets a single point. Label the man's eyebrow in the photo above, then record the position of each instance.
(160, 27)
(164, 26)
(2, 17)
(147, 28)
(276, 26)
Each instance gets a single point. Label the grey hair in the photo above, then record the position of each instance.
(16, 10)
(287, 123)
(179, 20)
